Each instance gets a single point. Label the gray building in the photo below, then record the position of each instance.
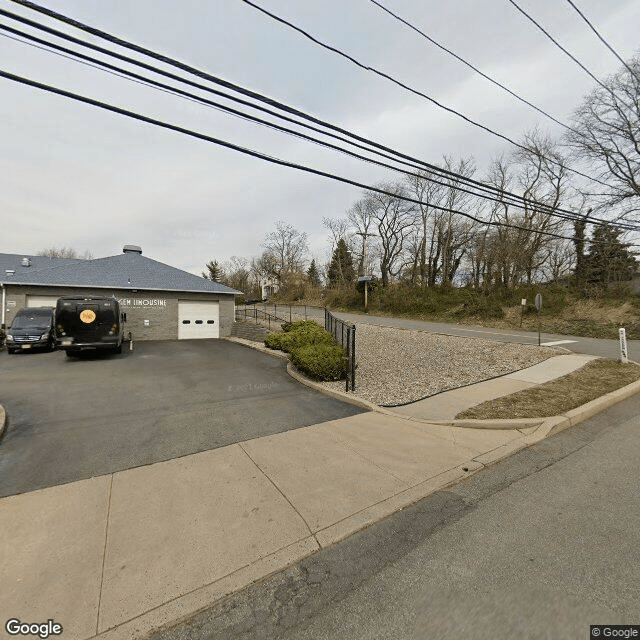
(161, 302)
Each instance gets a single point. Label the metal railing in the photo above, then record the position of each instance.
(258, 315)
(345, 335)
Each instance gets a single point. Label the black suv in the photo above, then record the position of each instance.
(32, 328)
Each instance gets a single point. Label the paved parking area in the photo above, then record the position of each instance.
(70, 419)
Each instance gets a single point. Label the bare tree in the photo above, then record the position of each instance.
(287, 249)
(422, 244)
(339, 229)
(393, 218)
(544, 180)
(561, 260)
(361, 218)
(520, 247)
(606, 133)
(237, 274)
(453, 231)
(65, 252)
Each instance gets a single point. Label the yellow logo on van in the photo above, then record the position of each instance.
(87, 316)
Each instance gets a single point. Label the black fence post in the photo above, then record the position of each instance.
(353, 356)
(289, 313)
(348, 372)
(305, 312)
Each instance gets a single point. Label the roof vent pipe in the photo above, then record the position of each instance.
(10, 272)
(25, 262)
(131, 248)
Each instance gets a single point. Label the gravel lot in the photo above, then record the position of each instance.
(396, 366)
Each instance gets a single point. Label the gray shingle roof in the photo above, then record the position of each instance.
(13, 261)
(123, 271)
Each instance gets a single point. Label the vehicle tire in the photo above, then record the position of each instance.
(71, 353)
(118, 349)
(11, 351)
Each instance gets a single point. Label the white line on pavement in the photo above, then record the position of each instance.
(553, 344)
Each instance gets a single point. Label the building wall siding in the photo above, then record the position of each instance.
(160, 308)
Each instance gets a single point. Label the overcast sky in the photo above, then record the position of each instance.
(73, 175)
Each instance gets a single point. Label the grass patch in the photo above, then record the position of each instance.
(552, 398)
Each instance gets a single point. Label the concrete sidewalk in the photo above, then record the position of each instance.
(446, 405)
(118, 555)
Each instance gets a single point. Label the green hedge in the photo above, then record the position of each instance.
(321, 361)
(313, 350)
(297, 334)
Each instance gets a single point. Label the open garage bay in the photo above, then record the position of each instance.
(70, 419)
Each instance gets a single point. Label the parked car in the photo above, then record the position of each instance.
(89, 323)
(32, 328)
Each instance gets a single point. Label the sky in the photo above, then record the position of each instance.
(75, 176)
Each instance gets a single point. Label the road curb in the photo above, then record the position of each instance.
(339, 395)
(555, 424)
(258, 347)
(3, 421)
(546, 426)
(177, 614)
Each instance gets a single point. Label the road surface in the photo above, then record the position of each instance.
(540, 545)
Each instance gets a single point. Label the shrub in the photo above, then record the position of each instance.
(298, 334)
(320, 361)
(313, 350)
(482, 307)
(274, 341)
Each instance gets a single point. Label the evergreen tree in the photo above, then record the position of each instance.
(313, 274)
(609, 259)
(214, 271)
(341, 270)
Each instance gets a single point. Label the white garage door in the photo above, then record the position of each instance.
(42, 301)
(198, 320)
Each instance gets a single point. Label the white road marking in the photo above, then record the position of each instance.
(553, 344)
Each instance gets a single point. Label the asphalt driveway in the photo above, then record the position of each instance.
(70, 419)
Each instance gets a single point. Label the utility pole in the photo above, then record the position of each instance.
(365, 277)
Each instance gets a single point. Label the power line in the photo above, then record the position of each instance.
(546, 33)
(502, 197)
(471, 66)
(207, 76)
(257, 154)
(401, 84)
(606, 44)
(56, 49)
(119, 72)
(412, 161)
(429, 167)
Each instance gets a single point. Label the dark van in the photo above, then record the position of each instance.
(88, 323)
(31, 328)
